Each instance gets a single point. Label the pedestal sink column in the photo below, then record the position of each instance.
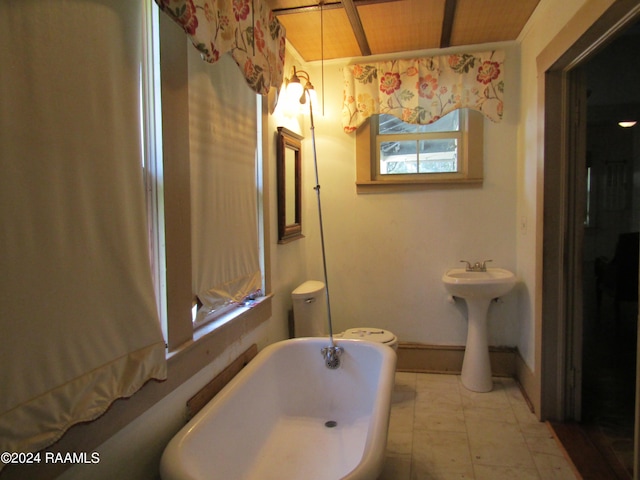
(476, 366)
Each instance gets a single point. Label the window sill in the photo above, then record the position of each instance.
(214, 336)
(380, 186)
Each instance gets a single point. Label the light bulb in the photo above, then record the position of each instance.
(294, 92)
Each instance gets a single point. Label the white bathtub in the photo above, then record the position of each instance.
(269, 421)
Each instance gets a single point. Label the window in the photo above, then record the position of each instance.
(202, 170)
(406, 149)
(223, 147)
(151, 127)
(393, 154)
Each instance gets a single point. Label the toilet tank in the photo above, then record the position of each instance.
(310, 310)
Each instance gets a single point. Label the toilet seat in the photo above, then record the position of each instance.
(377, 335)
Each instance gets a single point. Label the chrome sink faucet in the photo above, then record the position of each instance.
(476, 267)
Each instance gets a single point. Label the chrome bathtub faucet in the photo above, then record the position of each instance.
(331, 356)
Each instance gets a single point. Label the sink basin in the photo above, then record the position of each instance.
(491, 284)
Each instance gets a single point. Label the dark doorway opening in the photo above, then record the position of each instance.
(610, 248)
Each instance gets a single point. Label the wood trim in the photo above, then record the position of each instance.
(211, 389)
(288, 141)
(447, 23)
(267, 156)
(356, 25)
(177, 178)
(325, 6)
(422, 358)
(529, 384)
(588, 30)
(553, 352)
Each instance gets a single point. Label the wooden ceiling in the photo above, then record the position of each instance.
(354, 28)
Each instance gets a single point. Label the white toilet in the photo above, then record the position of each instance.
(310, 317)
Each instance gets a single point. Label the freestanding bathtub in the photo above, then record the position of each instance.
(287, 416)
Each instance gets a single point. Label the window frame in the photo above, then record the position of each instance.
(151, 127)
(184, 342)
(470, 158)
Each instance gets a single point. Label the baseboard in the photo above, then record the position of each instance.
(418, 357)
(528, 384)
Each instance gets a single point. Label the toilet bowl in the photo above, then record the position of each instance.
(310, 317)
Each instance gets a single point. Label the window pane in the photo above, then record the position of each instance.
(388, 124)
(438, 156)
(435, 156)
(448, 123)
(399, 157)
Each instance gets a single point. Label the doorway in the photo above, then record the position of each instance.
(589, 204)
(610, 249)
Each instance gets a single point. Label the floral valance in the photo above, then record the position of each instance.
(422, 90)
(246, 28)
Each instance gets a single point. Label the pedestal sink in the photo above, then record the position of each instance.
(478, 288)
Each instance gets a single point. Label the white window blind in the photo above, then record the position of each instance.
(224, 223)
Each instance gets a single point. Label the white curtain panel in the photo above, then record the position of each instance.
(78, 320)
(224, 223)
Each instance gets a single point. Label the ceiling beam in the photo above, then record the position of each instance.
(447, 23)
(326, 6)
(307, 8)
(356, 25)
(352, 14)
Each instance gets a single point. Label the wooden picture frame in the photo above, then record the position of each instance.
(289, 170)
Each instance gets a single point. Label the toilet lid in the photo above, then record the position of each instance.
(372, 334)
(309, 287)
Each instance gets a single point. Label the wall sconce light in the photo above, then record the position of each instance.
(296, 92)
(627, 124)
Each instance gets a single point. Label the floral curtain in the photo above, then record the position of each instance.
(422, 90)
(246, 28)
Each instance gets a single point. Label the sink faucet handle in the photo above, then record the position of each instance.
(484, 264)
(469, 268)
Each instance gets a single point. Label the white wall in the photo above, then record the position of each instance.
(549, 21)
(288, 265)
(386, 252)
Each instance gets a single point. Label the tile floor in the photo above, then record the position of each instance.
(439, 431)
